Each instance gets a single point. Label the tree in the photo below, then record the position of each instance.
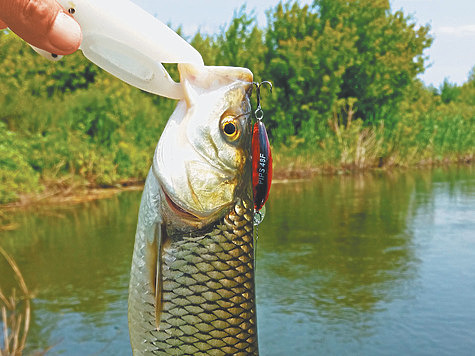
(389, 52)
(449, 91)
(242, 43)
(467, 90)
(335, 51)
(306, 59)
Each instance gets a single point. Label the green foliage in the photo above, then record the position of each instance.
(70, 121)
(444, 135)
(16, 175)
(345, 96)
(306, 61)
(467, 90)
(389, 52)
(449, 92)
(338, 49)
(241, 44)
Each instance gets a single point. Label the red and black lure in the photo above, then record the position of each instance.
(261, 156)
(261, 165)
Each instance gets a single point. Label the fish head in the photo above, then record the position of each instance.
(202, 161)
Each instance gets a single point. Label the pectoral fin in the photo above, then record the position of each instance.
(153, 261)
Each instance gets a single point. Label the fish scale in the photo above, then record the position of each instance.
(208, 301)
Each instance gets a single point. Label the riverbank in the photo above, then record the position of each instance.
(35, 169)
(301, 168)
(297, 169)
(57, 194)
(54, 196)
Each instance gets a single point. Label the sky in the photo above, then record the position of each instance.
(451, 56)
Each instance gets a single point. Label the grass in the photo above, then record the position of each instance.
(342, 146)
(16, 313)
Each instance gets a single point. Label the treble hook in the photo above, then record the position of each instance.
(259, 114)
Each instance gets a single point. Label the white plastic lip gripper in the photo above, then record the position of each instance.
(128, 42)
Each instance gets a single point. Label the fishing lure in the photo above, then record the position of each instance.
(261, 159)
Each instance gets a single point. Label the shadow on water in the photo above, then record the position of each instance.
(366, 264)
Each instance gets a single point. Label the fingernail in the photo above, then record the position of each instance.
(65, 34)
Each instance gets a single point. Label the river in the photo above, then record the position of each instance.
(375, 264)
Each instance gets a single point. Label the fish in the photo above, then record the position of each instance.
(192, 289)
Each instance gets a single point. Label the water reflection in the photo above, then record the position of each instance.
(349, 233)
(77, 259)
(373, 264)
(338, 252)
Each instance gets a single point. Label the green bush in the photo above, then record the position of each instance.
(16, 175)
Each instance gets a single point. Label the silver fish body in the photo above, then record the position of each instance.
(192, 280)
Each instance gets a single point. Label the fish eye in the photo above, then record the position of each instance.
(230, 128)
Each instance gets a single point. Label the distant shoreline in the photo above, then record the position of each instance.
(82, 194)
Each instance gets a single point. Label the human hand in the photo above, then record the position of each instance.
(41, 23)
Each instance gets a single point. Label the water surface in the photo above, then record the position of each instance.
(375, 264)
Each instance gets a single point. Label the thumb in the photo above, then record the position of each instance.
(42, 23)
